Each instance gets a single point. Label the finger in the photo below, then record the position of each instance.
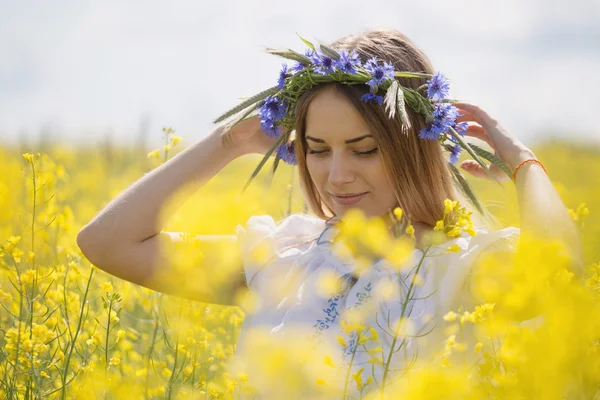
(478, 132)
(473, 168)
(478, 113)
(467, 117)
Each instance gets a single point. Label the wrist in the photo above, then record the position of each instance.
(220, 142)
(520, 157)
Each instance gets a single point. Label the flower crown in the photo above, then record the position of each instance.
(276, 106)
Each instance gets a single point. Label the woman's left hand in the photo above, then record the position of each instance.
(506, 146)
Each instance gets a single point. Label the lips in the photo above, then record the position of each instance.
(348, 199)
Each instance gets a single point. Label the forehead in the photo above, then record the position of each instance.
(332, 117)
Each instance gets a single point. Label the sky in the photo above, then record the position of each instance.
(82, 71)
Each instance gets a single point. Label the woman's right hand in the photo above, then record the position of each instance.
(247, 137)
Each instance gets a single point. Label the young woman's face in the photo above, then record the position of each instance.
(343, 159)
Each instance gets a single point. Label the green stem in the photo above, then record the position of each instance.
(16, 366)
(171, 379)
(350, 367)
(107, 335)
(74, 340)
(404, 305)
(154, 334)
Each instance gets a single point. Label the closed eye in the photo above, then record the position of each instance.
(360, 153)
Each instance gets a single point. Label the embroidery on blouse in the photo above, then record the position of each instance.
(362, 296)
(331, 312)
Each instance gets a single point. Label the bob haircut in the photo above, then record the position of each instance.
(418, 168)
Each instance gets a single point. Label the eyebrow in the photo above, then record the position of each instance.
(353, 140)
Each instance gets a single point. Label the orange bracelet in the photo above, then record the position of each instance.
(523, 163)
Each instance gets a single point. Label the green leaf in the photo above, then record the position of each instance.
(466, 146)
(391, 96)
(306, 42)
(465, 188)
(275, 164)
(256, 98)
(412, 75)
(290, 55)
(493, 159)
(263, 161)
(329, 52)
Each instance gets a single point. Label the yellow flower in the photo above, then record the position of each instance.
(44, 374)
(175, 140)
(375, 360)
(154, 153)
(450, 316)
(120, 335)
(106, 287)
(30, 157)
(358, 378)
(398, 213)
(114, 361)
(113, 317)
(5, 297)
(467, 317)
(373, 333)
(449, 205)
(362, 339)
(28, 276)
(320, 382)
(329, 361)
(341, 341)
(167, 147)
(478, 347)
(454, 232)
(411, 231)
(471, 231)
(439, 225)
(454, 248)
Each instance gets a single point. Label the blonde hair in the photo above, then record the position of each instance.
(418, 168)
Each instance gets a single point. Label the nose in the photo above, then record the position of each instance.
(340, 171)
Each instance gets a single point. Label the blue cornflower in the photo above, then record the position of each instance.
(461, 127)
(272, 108)
(372, 97)
(324, 65)
(282, 75)
(287, 153)
(454, 154)
(438, 87)
(379, 73)
(348, 62)
(444, 117)
(268, 126)
(271, 111)
(299, 66)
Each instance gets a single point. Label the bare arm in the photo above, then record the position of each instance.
(542, 212)
(125, 238)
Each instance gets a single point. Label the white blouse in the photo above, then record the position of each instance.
(302, 255)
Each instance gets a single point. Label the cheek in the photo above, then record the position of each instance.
(315, 167)
(373, 171)
(315, 171)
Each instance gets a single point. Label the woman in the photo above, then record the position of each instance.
(350, 155)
